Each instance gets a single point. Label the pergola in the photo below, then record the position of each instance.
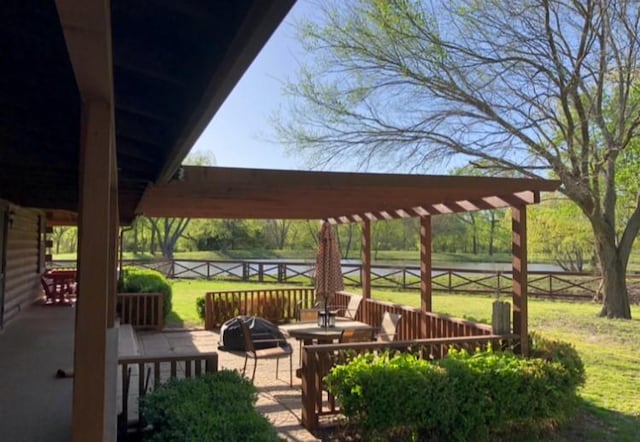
(338, 197)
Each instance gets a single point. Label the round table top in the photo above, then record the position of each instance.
(311, 330)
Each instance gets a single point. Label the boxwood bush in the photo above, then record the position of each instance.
(214, 407)
(462, 397)
(141, 280)
(200, 307)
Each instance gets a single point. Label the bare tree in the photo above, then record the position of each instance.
(167, 232)
(278, 231)
(540, 87)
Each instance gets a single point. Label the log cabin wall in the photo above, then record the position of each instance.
(24, 259)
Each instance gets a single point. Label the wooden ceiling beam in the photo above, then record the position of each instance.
(133, 107)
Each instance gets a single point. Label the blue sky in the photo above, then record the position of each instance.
(238, 134)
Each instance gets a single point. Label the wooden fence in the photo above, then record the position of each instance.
(148, 372)
(141, 310)
(545, 284)
(277, 305)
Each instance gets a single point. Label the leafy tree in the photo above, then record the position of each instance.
(57, 235)
(448, 234)
(277, 232)
(165, 232)
(558, 228)
(539, 87)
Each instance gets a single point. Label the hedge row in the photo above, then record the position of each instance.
(462, 397)
(214, 407)
(141, 280)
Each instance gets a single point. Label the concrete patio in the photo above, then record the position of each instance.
(36, 406)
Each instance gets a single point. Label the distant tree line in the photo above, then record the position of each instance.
(557, 230)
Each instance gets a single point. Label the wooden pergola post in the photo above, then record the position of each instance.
(365, 275)
(425, 263)
(519, 263)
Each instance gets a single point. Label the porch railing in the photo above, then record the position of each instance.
(141, 374)
(317, 362)
(277, 305)
(141, 310)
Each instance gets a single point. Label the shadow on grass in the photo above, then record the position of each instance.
(593, 423)
(173, 320)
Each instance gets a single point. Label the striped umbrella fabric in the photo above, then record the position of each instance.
(328, 267)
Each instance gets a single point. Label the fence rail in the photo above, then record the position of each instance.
(141, 310)
(149, 372)
(277, 305)
(547, 284)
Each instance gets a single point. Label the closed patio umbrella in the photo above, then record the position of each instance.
(328, 267)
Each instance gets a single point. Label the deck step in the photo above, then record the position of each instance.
(127, 341)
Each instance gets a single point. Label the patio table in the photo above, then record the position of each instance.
(309, 331)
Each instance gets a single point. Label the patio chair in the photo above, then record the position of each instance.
(388, 327)
(356, 335)
(308, 314)
(351, 310)
(282, 350)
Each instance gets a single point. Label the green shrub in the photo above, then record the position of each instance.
(462, 397)
(215, 407)
(141, 280)
(200, 307)
(559, 351)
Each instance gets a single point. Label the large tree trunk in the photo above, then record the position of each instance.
(615, 303)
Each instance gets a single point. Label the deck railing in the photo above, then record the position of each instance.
(415, 324)
(277, 305)
(141, 310)
(317, 361)
(149, 372)
(545, 284)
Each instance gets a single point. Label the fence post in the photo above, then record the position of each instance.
(245, 271)
(404, 277)
(260, 272)
(160, 310)
(282, 272)
(309, 369)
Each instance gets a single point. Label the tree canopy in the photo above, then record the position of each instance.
(537, 87)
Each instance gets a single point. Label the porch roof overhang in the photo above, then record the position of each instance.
(339, 197)
(174, 63)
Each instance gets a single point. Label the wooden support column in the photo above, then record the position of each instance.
(86, 25)
(365, 277)
(519, 259)
(95, 271)
(425, 263)
(114, 220)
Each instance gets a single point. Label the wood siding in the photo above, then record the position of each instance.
(24, 263)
